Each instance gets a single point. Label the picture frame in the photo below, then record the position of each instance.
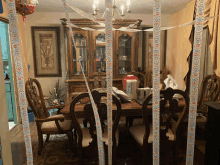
(46, 51)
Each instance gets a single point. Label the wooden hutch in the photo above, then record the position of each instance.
(90, 47)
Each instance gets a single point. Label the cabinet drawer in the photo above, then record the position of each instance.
(7, 87)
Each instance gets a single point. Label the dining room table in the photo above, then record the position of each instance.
(128, 109)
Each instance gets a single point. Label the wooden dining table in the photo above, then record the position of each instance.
(128, 109)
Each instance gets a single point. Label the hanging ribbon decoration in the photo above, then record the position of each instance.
(14, 38)
(95, 111)
(108, 47)
(156, 81)
(127, 29)
(194, 81)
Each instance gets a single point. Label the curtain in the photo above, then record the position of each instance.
(214, 26)
(206, 66)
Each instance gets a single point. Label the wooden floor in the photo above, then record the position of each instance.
(18, 145)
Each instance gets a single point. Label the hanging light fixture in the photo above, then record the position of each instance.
(25, 7)
(115, 11)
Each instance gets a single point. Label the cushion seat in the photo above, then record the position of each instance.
(87, 137)
(51, 127)
(138, 133)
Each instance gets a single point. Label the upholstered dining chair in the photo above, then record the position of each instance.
(46, 124)
(87, 137)
(170, 124)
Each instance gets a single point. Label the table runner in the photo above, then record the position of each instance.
(14, 39)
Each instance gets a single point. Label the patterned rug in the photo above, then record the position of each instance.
(57, 151)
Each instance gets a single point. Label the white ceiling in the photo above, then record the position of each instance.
(137, 6)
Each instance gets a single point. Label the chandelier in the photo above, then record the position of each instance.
(115, 10)
(25, 7)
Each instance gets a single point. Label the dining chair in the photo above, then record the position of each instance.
(99, 80)
(46, 124)
(170, 124)
(87, 137)
(209, 91)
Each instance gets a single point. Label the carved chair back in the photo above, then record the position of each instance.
(89, 115)
(169, 108)
(209, 91)
(141, 78)
(99, 80)
(35, 98)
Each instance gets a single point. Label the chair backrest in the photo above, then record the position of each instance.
(209, 91)
(99, 80)
(149, 79)
(35, 98)
(89, 115)
(169, 108)
(141, 78)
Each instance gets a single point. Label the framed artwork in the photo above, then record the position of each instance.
(46, 51)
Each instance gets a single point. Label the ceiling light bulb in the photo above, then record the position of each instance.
(122, 7)
(96, 2)
(128, 2)
(93, 6)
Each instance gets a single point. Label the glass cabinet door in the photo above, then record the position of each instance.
(100, 53)
(80, 54)
(124, 50)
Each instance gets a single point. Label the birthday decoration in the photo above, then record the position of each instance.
(14, 38)
(156, 81)
(194, 81)
(95, 111)
(109, 51)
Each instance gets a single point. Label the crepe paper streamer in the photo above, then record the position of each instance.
(96, 114)
(156, 81)
(108, 47)
(194, 81)
(14, 38)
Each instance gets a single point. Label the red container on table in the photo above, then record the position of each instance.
(128, 77)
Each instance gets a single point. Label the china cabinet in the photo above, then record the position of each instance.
(90, 49)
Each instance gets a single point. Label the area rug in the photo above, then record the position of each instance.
(57, 152)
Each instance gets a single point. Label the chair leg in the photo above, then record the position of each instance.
(75, 134)
(85, 123)
(40, 142)
(70, 137)
(48, 136)
(175, 154)
(129, 121)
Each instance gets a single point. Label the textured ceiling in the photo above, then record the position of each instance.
(137, 6)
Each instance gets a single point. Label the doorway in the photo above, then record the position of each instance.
(8, 76)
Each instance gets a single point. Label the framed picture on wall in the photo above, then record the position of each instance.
(46, 51)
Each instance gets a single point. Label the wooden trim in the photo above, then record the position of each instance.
(57, 29)
(5, 20)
